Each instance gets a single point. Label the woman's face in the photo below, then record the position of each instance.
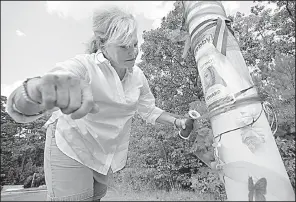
(123, 56)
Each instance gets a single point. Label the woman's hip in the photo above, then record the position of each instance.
(66, 178)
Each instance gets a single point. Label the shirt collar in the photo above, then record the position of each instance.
(100, 58)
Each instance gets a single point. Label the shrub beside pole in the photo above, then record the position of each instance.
(246, 153)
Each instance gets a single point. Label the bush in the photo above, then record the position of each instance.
(207, 181)
(39, 180)
(287, 151)
(28, 182)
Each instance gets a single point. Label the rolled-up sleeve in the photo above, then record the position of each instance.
(75, 66)
(146, 107)
(19, 117)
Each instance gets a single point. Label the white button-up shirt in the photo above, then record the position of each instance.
(101, 140)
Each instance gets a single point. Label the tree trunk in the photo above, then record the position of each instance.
(23, 163)
(33, 179)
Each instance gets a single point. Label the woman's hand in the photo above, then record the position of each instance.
(186, 126)
(65, 91)
(180, 123)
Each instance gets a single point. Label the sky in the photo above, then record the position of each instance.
(35, 35)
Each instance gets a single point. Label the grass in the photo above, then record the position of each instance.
(119, 190)
(156, 196)
(113, 195)
(169, 196)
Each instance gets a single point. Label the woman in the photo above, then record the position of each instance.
(92, 98)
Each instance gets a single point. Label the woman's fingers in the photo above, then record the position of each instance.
(62, 96)
(48, 92)
(87, 101)
(183, 123)
(74, 100)
(48, 96)
(74, 96)
(67, 92)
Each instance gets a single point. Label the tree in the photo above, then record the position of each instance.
(174, 82)
(22, 147)
(267, 41)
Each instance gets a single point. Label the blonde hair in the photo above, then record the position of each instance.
(111, 25)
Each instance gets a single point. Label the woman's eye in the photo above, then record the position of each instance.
(127, 47)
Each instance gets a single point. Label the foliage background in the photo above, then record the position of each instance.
(158, 159)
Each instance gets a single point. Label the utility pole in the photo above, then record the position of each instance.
(246, 153)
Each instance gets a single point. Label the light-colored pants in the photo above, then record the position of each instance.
(68, 180)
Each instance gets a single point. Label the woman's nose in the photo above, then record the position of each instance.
(133, 52)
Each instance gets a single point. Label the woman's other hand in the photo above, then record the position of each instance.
(180, 123)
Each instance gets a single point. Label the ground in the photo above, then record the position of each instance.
(112, 195)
